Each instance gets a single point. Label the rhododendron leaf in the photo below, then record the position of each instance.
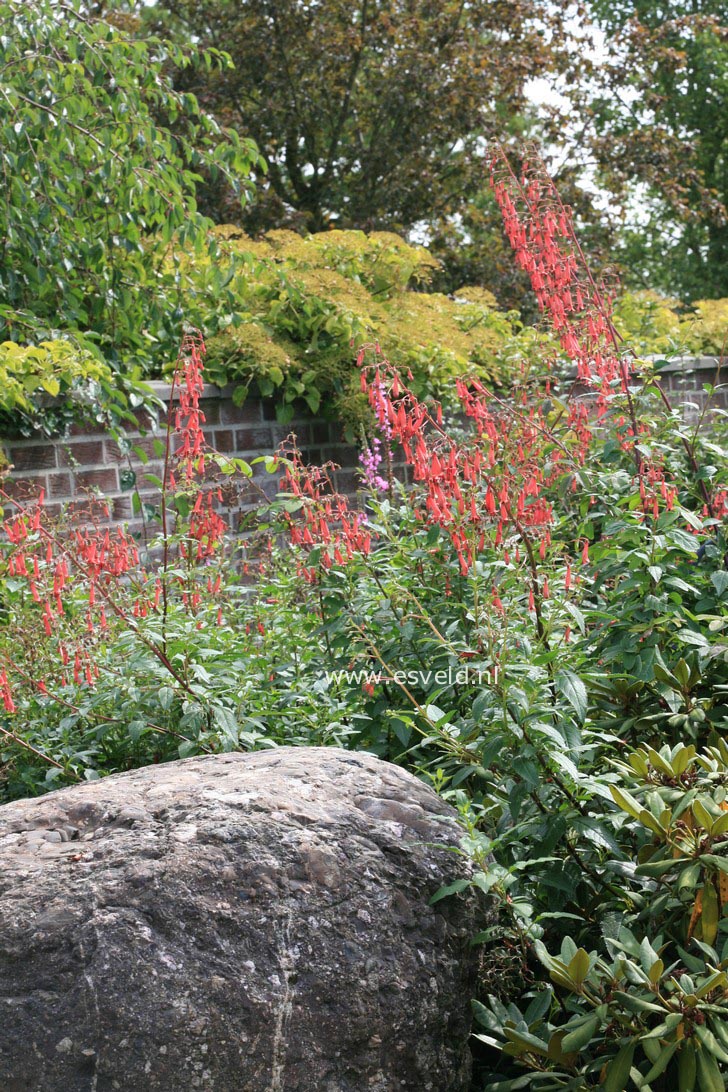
(572, 688)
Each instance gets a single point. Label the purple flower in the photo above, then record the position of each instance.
(370, 459)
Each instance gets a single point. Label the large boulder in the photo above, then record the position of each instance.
(237, 923)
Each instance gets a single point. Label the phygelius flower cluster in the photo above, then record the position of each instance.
(494, 485)
(102, 566)
(540, 229)
(189, 418)
(325, 519)
(488, 486)
(541, 232)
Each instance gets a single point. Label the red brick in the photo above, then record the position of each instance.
(25, 488)
(347, 481)
(60, 485)
(148, 493)
(112, 453)
(321, 432)
(121, 508)
(254, 439)
(312, 456)
(211, 409)
(223, 439)
(247, 414)
(146, 420)
(136, 529)
(301, 430)
(336, 455)
(105, 480)
(79, 429)
(38, 457)
(143, 471)
(81, 453)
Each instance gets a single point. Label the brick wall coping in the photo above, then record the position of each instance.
(689, 363)
(163, 390)
(686, 365)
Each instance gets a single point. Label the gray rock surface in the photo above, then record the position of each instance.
(236, 923)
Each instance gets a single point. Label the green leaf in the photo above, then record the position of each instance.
(686, 1068)
(661, 1062)
(573, 690)
(127, 480)
(581, 1035)
(453, 888)
(529, 1043)
(656, 971)
(709, 1075)
(165, 697)
(578, 967)
(626, 802)
(618, 1070)
(52, 386)
(719, 581)
(711, 1044)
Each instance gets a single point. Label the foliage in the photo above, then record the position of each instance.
(659, 129)
(294, 311)
(641, 1012)
(117, 652)
(653, 324)
(297, 306)
(45, 387)
(369, 116)
(378, 119)
(709, 332)
(562, 565)
(648, 322)
(538, 627)
(95, 184)
(239, 681)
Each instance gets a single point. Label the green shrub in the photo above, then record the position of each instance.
(297, 310)
(45, 387)
(100, 162)
(537, 627)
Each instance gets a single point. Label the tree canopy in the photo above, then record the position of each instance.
(100, 158)
(660, 120)
(375, 116)
(370, 115)
(122, 136)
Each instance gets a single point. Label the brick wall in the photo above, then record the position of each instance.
(683, 381)
(89, 460)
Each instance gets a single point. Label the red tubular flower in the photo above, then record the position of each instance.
(578, 306)
(5, 693)
(189, 418)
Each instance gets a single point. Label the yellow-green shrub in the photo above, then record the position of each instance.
(708, 329)
(44, 387)
(297, 309)
(649, 322)
(286, 314)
